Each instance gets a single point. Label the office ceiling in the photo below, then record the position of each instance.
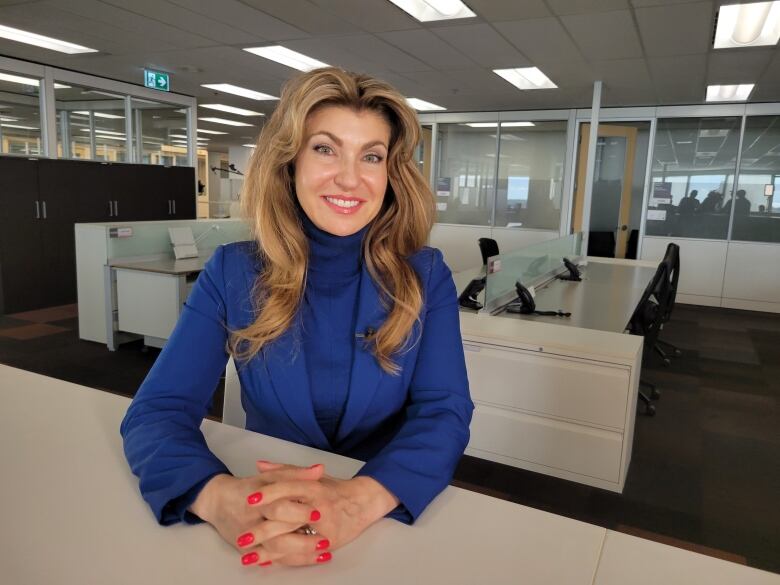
(646, 52)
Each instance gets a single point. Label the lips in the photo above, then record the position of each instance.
(353, 204)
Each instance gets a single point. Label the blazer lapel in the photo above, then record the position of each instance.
(366, 372)
(286, 363)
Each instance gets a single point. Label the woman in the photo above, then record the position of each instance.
(345, 328)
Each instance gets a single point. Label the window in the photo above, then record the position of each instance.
(91, 124)
(20, 122)
(162, 129)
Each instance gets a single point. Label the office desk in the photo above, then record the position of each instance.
(150, 295)
(72, 514)
(604, 300)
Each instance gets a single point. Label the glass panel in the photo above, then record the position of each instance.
(90, 124)
(529, 265)
(701, 154)
(20, 118)
(465, 173)
(164, 131)
(757, 203)
(422, 154)
(530, 175)
(608, 183)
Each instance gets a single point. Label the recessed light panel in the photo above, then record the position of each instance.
(240, 91)
(23, 36)
(231, 110)
(225, 121)
(729, 93)
(428, 10)
(748, 25)
(423, 106)
(526, 78)
(287, 57)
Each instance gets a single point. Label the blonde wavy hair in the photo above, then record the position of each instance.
(269, 204)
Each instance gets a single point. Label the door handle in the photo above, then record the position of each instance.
(174, 206)
(110, 209)
(44, 210)
(623, 228)
(170, 209)
(116, 208)
(37, 210)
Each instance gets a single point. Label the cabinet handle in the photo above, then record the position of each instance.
(110, 209)
(44, 210)
(169, 207)
(37, 210)
(174, 206)
(116, 208)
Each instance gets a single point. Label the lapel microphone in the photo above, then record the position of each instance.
(367, 334)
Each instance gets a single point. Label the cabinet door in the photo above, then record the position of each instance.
(181, 181)
(20, 238)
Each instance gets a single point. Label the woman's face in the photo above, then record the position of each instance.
(341, 169)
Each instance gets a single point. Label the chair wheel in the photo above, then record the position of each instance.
(667, 362)
(655, 394)
(677, 352)
(650, 410)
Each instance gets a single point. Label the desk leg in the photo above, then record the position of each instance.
(108, 276)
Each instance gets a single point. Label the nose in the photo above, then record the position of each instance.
(347, 177)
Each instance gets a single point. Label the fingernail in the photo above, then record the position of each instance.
(250, 558)
(254, 498)
(245, 539)
(263, 461)
(315, 515)
(265, 564)
(324, 557)
(324, 543)
(315, 465)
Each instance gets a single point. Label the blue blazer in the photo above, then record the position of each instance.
(410, 429)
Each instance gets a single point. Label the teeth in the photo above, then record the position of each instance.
(341, 202)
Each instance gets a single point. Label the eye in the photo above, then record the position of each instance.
(323, 149)
(374, 158)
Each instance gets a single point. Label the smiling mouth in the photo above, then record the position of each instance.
(343, 204)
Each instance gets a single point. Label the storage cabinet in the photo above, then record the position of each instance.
(42, 199)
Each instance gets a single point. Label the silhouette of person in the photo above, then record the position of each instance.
(741, 204)
(710, 203)
(689, 204)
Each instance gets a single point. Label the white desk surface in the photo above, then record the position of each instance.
(72, 514)
(164, 265)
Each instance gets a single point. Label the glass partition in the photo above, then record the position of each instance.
(91, 124)
(757, 199)
(162, 130)
(20, 121)
(530, 174)
(530, 265)
(465, 173)
(694, 161)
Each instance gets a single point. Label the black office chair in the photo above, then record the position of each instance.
(647, 320)
(601, 244)
(672, 258)
(488, 247)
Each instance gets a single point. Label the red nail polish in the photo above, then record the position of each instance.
(254, 498)
(265, 564)
(324, 557)
(250, 558)
(315, 515)
(245, 539)
(324, 543)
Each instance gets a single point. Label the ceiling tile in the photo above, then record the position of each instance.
(427, 47)
(676, 30)
(374, 49)
(687, 70)
(678, 94)
(567, 74)
(304, 15)
(498, 10)
(378, 16)
(243, 18)
(640, 3)
(585, 6)
(605, 35)
(482, 44)
(542, 40)
(738, 65)
(464, 81)
(623, 73)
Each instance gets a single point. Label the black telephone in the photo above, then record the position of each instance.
(574, 272)
(468, 298)
(526, 305)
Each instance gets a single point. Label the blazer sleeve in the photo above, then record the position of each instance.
(161, 429)
(420, 460)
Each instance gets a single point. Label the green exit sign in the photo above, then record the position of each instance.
(157, 80)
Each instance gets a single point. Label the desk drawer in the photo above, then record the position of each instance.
(559, 445)
(576, 390)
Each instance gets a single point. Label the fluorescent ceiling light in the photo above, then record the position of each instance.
(231, 110)
(287, 57)
(729, 93)
(101, 115)
(427, 10)
(104, 137)
(110, 132)
(8, 119)
(22, 36)
(503, 124)
(183, 136)
(748, 25)
(209, 131)
(27, 81)
(225, 121)
(422, 105)
(526, 78)
(241, 91)
(19, 127)
(249, 145)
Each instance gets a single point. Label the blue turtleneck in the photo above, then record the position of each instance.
(329, 310)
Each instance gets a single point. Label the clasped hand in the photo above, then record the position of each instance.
(261, 515)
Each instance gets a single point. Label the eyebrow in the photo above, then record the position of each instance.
(338, 141)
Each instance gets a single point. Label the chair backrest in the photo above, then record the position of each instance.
(488, 247)
(648, 314)
(232, 410)
(672, 259)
